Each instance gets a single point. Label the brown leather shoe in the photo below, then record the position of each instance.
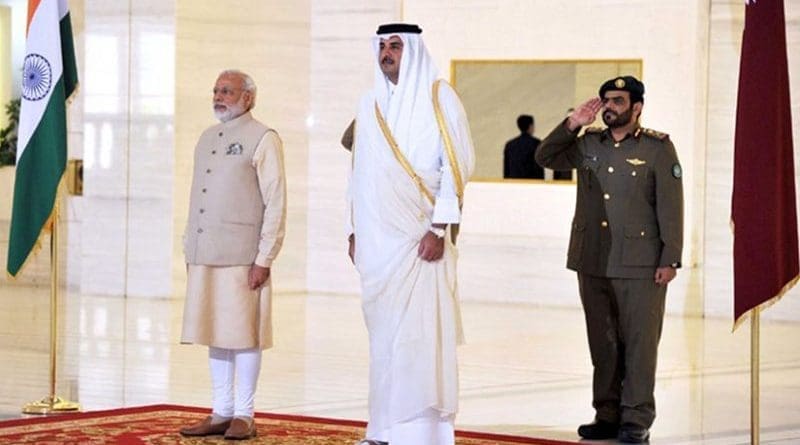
(206, 428)
(241, 429)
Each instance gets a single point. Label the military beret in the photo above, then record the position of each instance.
(399, 28)
(624, 83)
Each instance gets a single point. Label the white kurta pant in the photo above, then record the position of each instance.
(231, 368)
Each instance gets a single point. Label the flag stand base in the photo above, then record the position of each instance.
(50, 405)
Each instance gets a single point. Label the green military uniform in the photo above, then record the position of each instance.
(628, 222)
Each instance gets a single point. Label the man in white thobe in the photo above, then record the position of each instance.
(412, 156)
(237, 214)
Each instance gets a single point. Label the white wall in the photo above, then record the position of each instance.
(313, 60)
(670, 39)
(270, 41)
(18, 20)
(341, 69)
(122, 126)
(521, 258)
(5, 61)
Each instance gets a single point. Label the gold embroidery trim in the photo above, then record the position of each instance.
(387, 133)
(448, 143)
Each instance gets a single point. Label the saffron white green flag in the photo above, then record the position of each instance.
(49, 78)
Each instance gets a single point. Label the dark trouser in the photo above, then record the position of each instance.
(623, 321)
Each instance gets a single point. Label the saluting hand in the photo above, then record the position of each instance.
(431, 247)
(585, 114)
(257, 276)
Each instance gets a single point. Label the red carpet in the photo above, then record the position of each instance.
(158, 425)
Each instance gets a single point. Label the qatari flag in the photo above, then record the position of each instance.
(765, 253)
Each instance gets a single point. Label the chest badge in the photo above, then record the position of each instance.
(234, 149)
(636, 161)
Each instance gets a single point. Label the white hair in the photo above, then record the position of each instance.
(249, 84)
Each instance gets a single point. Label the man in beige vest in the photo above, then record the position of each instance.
(237, 214)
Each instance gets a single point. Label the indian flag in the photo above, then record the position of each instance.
(49, 79)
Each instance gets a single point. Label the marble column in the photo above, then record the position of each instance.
(127, 99)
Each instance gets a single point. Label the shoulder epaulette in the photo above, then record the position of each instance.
(655, 134)
(595, 130)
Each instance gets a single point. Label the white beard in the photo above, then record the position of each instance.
(231, 112)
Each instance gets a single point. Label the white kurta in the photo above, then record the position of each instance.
(220, 309)
(410, 305)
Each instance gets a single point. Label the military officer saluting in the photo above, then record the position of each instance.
(625, 245)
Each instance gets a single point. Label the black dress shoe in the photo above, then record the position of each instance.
(633, 434)
(599, 430)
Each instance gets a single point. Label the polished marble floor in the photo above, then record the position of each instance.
(525, 369)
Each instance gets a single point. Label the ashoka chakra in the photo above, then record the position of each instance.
(37, 77)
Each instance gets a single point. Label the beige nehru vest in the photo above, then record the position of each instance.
(226, 208)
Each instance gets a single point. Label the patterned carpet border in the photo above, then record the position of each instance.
(68, 417)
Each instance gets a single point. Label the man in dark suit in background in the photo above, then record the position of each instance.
(518, 156)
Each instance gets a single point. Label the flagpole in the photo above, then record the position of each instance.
(755, 330)
(52, 404)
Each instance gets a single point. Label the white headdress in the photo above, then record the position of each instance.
(409, 110)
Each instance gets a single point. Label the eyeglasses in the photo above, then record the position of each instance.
(225, 91)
